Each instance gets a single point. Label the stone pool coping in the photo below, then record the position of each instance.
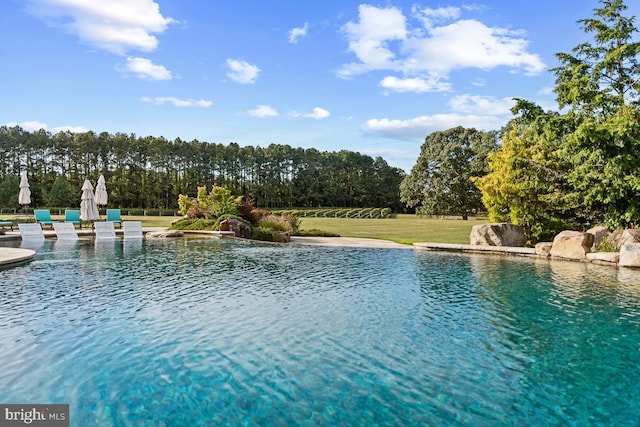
(352, 242)
(11, 256)
(451, 247)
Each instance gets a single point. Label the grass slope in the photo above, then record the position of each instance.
(405, 229)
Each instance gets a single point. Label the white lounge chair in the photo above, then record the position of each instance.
(31, 232)
(132, 229)
(65, 230)
(104, 230)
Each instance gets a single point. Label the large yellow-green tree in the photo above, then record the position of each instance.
(525, 185)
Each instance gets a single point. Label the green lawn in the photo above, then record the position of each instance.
(151, 221)
(405, 229)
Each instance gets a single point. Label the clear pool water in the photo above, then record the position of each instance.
(207, 332)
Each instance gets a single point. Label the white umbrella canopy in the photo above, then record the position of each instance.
(88, 205)
(101, 195)
(24, 197)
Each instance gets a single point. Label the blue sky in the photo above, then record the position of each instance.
(373, 77)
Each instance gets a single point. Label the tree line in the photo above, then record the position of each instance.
(150, 172)
(551, 170)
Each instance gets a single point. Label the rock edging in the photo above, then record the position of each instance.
(568, 245)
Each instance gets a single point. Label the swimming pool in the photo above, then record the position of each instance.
(194, 332)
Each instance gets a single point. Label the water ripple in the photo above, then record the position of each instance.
(201, 332)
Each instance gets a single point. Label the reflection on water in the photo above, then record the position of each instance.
(576, 328)
(207, 332)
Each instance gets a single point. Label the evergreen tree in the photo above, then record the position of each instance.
(600, 85)
(62, 194)
(600, 77)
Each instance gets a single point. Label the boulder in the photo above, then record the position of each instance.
(501, 234)
(572, 245)
(543, 248)
(614, 238)
(164, 234)
(630, 254)
(630, 235)
(600, 234)
(239, 228)
(619, 237)
(604, 257)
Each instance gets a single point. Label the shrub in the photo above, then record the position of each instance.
(293, 221)
(605, 246)
(267, 235)
(195, 224)
(210, 205)
(274, 225)
(315, 233)
(198, 211)
(385, 212)
(353, 213)
(277, 222)
(250, 213)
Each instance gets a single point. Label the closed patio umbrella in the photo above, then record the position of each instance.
(88, 206)
(101, 195)
(24, 197)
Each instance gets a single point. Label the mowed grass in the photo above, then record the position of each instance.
(406, 229)
(151, 221)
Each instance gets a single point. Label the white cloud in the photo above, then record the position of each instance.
(417, 128)
(72, 129)
(485, 105)
(382, 39)
(263, 111)
(548, 90)
(471, 44)
(416, 84)
(430, 16)
(296, 33)
(369, 39)
(117, 26)
(242, 71)
(317, 113)
(145, 69)
(472, 111)
(177, 102)
(34, 126)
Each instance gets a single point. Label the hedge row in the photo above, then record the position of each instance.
(339, 213)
